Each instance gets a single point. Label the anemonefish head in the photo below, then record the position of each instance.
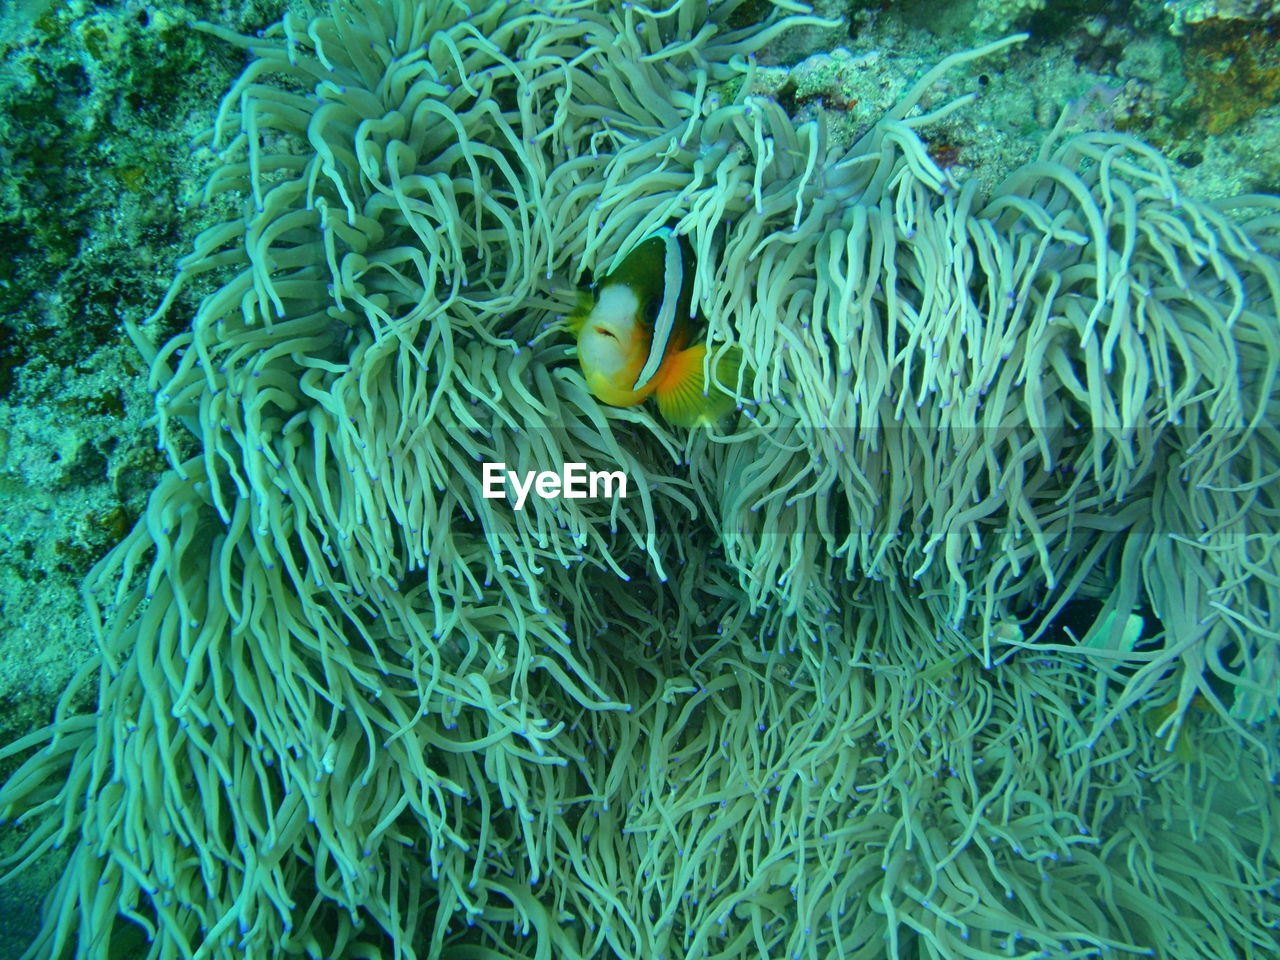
(613, 346)
(633, 333)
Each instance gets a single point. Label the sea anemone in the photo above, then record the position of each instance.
(801, 694)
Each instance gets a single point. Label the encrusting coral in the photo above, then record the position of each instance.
(799, 695)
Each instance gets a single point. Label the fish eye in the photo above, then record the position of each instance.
(651, 311)
(607, 333)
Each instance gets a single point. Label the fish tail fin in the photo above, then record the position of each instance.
(684, 396)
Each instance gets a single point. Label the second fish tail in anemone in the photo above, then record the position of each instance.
(634, 331)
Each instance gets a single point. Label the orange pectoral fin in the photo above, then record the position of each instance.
(683, 395)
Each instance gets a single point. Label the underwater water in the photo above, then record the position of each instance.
(596, 480)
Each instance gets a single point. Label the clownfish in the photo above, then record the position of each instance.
(634, 329)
